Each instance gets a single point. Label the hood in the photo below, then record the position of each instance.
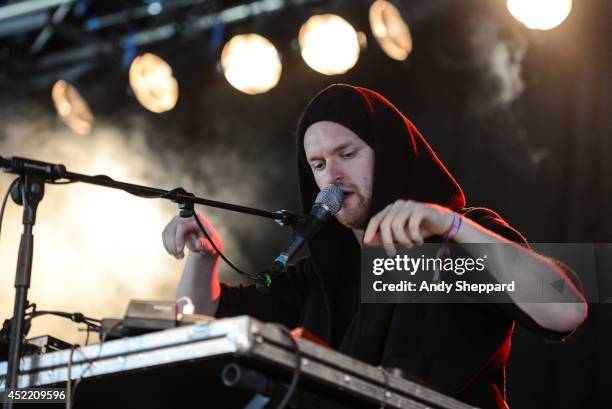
(405, 167)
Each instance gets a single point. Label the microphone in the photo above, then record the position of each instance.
(327, 204)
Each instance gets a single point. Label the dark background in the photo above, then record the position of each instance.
(540, 157)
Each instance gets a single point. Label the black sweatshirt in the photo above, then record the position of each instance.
(459, 349)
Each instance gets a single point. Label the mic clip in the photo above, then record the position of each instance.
(264, 279)
(185, 206)
(288, 218)
(262, 283)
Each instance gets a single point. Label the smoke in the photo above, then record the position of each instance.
(97, 248)
(498, 56)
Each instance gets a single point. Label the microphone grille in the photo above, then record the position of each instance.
(332, 197)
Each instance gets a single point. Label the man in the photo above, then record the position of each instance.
(395, 191)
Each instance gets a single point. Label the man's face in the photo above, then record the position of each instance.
(337, 156)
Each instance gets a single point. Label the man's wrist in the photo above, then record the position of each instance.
(454, 227)
(204, 259)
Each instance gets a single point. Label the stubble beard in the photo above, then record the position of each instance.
(355, 217)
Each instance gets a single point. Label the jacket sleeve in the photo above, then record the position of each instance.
(492, 221)
(283, 304)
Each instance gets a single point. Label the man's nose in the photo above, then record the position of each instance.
(335, 175)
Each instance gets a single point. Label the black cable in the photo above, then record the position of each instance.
(227, 261)
(164, 195)
(88, 330)
(296, 371)
(89, 364)
(256, 278)
(69, 376)
(73, 316)
(193, 213)
(8, 323)
(8, 192)
(92, 323)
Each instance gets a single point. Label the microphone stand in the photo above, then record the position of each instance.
(29, 191)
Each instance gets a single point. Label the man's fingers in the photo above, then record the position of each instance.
(185, 229)
(399, 231)
(192, 242)
(206, 247)
(385, 227)
(398, 223)
(199, 244)
(184, 232)
(414, 227)
(212, 233)
(168, 237)
(164, 241)
(376, 240)
(373, 225)
(179, 237)
(176, 235)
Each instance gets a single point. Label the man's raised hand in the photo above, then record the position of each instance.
(184, 232)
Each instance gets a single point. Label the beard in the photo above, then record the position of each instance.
(355, 215)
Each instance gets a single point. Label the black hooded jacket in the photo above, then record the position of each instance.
(460, 349)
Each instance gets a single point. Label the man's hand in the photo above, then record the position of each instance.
(181, 232)
(199, 281)
(407, 222)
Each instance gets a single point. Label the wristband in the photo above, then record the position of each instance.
(454, 228)
(444, 250)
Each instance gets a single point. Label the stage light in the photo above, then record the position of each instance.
(540, 14)
(251, 63)
(153, 84)
(390, 30)
(72, 108)
(329, 44)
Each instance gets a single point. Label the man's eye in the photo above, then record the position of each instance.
(318, 166)
(347, 154)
